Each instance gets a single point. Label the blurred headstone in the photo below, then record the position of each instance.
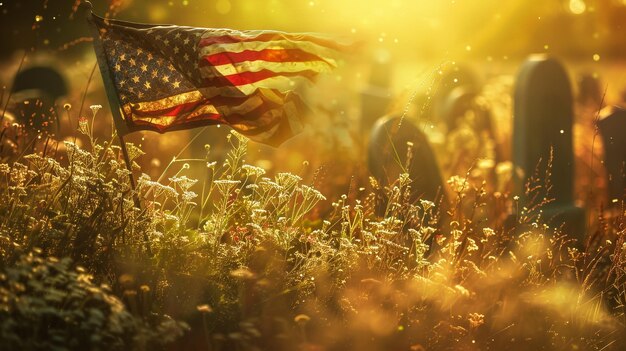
(470, 135)
(542, 142)
(376, 97)
(590, 91)
(397, 146)
(453, 77)
(613, 131)
(459, 103)
(34, 92)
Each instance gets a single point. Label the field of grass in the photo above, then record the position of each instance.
(243, 261)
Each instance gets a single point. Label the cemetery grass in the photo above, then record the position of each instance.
(243, 261)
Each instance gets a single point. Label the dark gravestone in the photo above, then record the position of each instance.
(459, 103)
(465, 117)
(392, 141)
(45, 79)
(613, 132)
(542, 134)
(35, 91)
(376, 97)
(590, 91)
(453, 77)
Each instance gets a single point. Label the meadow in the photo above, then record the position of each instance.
(244, 260)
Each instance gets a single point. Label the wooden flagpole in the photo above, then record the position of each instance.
(114, 103)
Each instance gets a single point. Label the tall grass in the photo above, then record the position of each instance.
(245, 260)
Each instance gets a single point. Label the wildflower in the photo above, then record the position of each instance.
(456, 234)
(83, 125)
(189, 195)
(5, 168)
(122, 172)
(457, 184)
(476, 320)
(95, 108)
(426, 205)
(133, 151)
(310, 193)
(287, 180)
(404, 179)
(440, 239)
(252, 186)
(183, 182)
(471, 245)
(204, 308)
(427, 231)
(267, 185)
(302, 319)
(253, 170)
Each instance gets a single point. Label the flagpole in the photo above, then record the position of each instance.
(114, 103)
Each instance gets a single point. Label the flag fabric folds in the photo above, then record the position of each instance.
(172, 77)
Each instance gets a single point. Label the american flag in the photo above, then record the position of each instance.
(172, 77)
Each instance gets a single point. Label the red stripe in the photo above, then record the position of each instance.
(244, 78)
(229, 39)
(252, 119)
(217, 101)
(256, 119)
(270, 55)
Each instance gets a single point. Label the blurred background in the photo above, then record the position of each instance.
(408, 46)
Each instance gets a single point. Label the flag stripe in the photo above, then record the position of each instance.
(279, 83)
(320, 51)
(245, 78)
(171, 110)
(177, 123)
(213, 37)
(255, 66)
(225, 106)
(255, 121)
(268, 55)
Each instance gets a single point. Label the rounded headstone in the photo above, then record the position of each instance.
(392, 141)
(543, 143)
(460, 101)
(453, 77)
(590, 90)
(47, 80)
(34, 92)
(376, 97)
(612, 129)
(542, 123)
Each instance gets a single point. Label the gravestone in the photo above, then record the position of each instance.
(376, 97)
(452, 77)
(392, 140)
(613, 131)
(542, 126)
(590, 91)
(469, 131)
(462, 100)
(35, 91)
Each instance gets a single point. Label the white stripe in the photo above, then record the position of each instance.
(323, 52)
(256, 66)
